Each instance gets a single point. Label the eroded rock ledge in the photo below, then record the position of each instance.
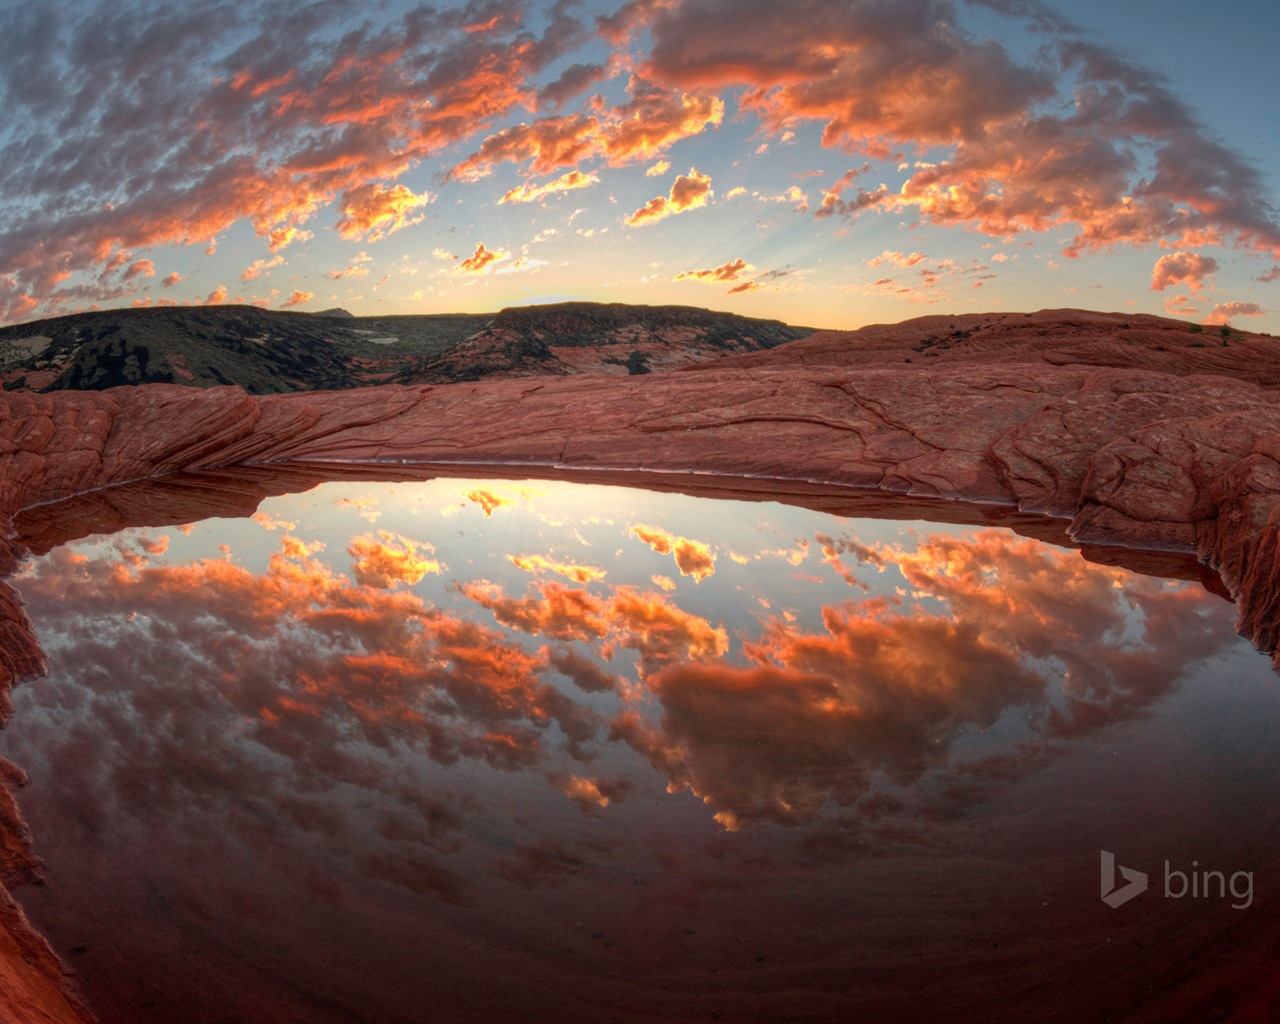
(1146, 451)
(1135, 458)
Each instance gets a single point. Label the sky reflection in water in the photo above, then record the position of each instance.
(468, 748)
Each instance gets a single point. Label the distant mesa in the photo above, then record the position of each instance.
(337, 313)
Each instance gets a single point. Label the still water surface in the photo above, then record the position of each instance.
(524, 751)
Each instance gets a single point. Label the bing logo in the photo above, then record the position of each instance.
(1177, 884)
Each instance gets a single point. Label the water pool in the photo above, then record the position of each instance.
(526, 750)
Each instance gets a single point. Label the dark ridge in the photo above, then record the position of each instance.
(274, 351)
(584, 323)
(587, 337)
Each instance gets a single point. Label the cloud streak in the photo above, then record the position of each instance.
(565, 183)
(731, 271)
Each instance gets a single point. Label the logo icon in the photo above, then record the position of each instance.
(1112, 896)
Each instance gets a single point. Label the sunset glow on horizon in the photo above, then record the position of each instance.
(827, 164)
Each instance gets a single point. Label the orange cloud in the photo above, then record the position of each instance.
(352, 269)
(655, 120)
(639, 130)
(392, 559)
(661, 633)
(538, 563)
(116, 262)
(256, 268)
(279, 238)
(304, 665)
(548, 144)
(564, 183)
(554, 610)
(585, 792)
(154, 545)
(292, 547)
(1079, 139)
(373, 211)
(488, 500)
(171, 280)
(481, 261)
(366, 507)
(688, 192)
(297, 298)
(876, 700)
(520, 264)
(1180, 267)
(140, 268)
(731, 271)
(693, 557)
(898, 259)
(1180, 305)
(794, 194)
(1224, 311)
(269, 522)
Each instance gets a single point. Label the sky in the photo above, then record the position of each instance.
(825, 163)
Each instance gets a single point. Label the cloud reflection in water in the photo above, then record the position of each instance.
(498, 715)
(200, 669)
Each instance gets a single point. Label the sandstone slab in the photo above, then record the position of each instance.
(1122, 434)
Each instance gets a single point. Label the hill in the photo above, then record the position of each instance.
(587, 337)
(1050, 337)
(271, 352)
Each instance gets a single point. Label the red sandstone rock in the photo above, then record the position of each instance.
(1052, 337)
(1007, 414)
(1129, 430)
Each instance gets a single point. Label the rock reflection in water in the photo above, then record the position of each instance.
(475, 750)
